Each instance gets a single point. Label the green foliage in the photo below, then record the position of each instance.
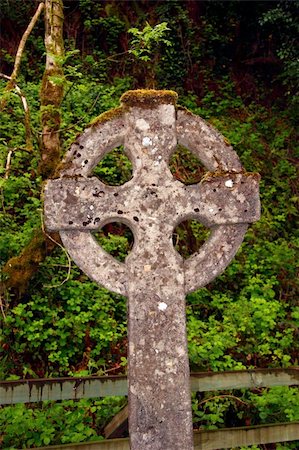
(110, 28)
(38, 331)
(115, 168)
(214, 410)
(146, 41)
(282, 21)
(118, 242)
(55, 423)
(185, 166)
(87, 99)
(277, 404)
(172, 67)
(145, 46)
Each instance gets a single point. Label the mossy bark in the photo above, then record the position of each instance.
(51, 93)
(20, 269)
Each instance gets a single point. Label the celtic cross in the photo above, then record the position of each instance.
(154, 277)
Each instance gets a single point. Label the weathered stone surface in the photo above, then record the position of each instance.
(154, 276)
(220, 200)
(207, 143)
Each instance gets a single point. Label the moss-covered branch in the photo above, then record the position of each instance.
(20, 269)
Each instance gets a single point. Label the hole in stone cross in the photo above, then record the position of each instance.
(185, 166)
(189, 236)
(115, 168)
(116, 239)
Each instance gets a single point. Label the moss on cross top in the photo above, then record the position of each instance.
(148, 98)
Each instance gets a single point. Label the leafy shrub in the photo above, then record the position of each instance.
(55, 423)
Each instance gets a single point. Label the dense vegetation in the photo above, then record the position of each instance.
(233, 63)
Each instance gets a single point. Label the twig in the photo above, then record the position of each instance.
(12, 78)
(23, 41)
(2, 75)
(110, 58)
(2, 309)
(27, 118)
(66, 266)
(222, 396)
(2, 200)
(7, 166)
(64, 250)
(29, 145)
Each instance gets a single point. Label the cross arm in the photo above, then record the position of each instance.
(226, 199)
(81, 204)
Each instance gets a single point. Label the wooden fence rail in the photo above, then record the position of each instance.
(207, 440)
(36, 390)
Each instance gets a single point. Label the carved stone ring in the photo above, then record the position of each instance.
(152, 202)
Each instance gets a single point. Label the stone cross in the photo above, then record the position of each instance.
(154, 277)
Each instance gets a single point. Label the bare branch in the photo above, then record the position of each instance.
(23, 41)
(7, 166)
(223, 396)
(13, 85)
(2, 75)
(2, 307)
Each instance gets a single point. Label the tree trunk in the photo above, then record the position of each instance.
(20, 269)
(51, 93)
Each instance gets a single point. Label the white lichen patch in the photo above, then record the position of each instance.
(142, 125)
(180, 351)
(160, 346)
(134, 390)
(162, 306)
(229, 183)
(147, 142)
(169, 363)
(166, 114)
(241, 197)
(180, 278)
(131, 347)
(147, 268)
(159, 373)
(171, 366)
